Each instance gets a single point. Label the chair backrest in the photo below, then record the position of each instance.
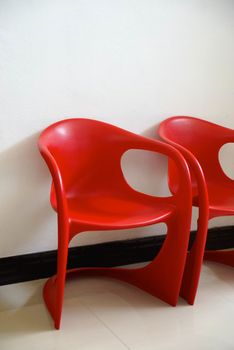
(87, 155)
(90, 148)
(202, 138)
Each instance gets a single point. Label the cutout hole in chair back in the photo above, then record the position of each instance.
(226, 159)
(146, 172)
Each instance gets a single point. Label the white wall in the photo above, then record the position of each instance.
(130, 63)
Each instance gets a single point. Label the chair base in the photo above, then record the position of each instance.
(145, 278)
(220, 256)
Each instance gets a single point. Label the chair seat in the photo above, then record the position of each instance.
(116, 212)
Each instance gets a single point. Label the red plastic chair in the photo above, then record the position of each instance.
(200, 141)
(89, 192)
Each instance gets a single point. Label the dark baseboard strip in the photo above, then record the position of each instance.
(41, 265)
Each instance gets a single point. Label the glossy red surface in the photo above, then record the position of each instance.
(89, 192)
(200, 141)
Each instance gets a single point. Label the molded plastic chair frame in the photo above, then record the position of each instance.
(202, 178)
(161, 277)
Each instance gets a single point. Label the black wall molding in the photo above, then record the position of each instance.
(40, 265)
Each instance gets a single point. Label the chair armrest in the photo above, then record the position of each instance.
(203, 199)
(195, 166)
(195, 257)
(58, 185)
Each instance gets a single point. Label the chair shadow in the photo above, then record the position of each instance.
(29, 317)
(106, 293)
(151, 132)
(223, 272)
(25, 210)
(82, 284)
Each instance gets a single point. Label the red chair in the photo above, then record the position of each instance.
(200, 141)
(90, 193)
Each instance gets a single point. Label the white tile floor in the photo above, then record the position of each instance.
(104, 314)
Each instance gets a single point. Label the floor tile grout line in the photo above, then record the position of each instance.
(106, 326)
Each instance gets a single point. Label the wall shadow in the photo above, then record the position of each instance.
(25, 211)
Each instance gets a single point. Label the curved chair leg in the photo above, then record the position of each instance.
(54, 287)
(194, 260)
(164, 274)
(220, 256)
(162, 277)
